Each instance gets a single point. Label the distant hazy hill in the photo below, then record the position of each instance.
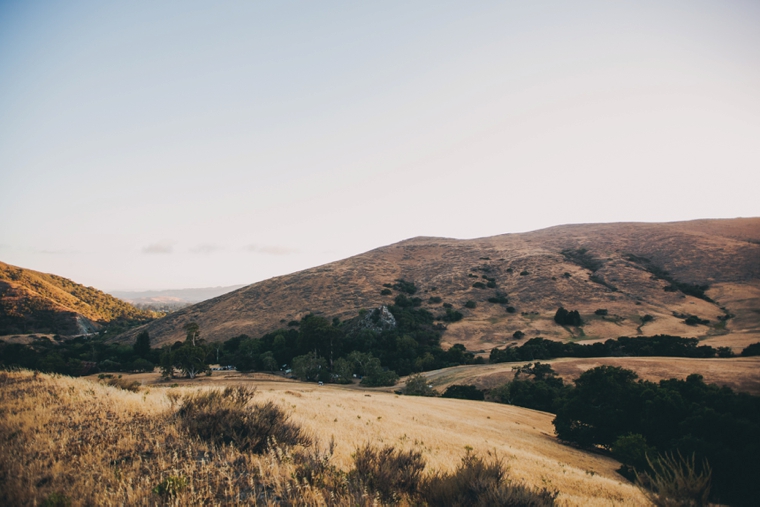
(176, 296)
(33, 302)
(649, 277)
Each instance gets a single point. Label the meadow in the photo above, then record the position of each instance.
(78, 441)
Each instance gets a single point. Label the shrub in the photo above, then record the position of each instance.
(405, 286)
(452, 315)
(511, 309)
(477, 482)
(676, 482)
(524, 273)
(387, 471)
(751, 350)
(567, 318)
(417, 385)
(601, 311)
(56, 499)
(380, 378)
(470, 304)
(126, 385)
(646, 318)
(434, 300)
(386, 292)
(464, 392)
(229, 417)
(498, 299)
(141, 365)
(491, 284)
(479, 285)
(693, 320)
(518, 335)
(171, 485)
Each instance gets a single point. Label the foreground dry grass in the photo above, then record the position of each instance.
(102, 446)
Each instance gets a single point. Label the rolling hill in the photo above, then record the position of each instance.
(33, 302)
(649, 277)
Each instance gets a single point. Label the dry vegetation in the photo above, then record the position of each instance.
(740, 373)
(66, 439)
(34, 302)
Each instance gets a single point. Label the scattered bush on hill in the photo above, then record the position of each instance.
(479, 285)
(583, 258)
(405, 286)
(470, 304)
(568, 318)
(690, 289)
(499, 299)
(452, 316)
(600, 311)
(693, 320)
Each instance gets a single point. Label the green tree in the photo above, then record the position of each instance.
(193, 332)
(268, 362)
(141, 347)
(310, 367)
(166, 363)
(191, 360)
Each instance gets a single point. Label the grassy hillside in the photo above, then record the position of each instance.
(740, 373)
(34, 302)
(649, 277)
(142, 454)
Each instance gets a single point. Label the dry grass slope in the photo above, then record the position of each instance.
(33, 302)
(65, 438)
(722, 253)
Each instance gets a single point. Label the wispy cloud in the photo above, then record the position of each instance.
(205, 248)
(271, 249)
(162, 247)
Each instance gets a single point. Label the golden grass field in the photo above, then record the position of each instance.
(100, 445)
(739, 373)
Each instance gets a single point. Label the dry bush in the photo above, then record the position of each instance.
(480, 482)
(228, 417)
(389, 472)
(675, 482)
(127, 385)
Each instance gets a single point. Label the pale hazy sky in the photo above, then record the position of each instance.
(152, 145)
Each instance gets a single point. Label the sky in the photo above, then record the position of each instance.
(167, 145)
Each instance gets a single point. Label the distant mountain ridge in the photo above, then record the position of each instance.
(34, 302)
(195, 295)
(649, 277)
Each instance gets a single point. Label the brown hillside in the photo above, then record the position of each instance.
(33, 302)
(624, 268)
